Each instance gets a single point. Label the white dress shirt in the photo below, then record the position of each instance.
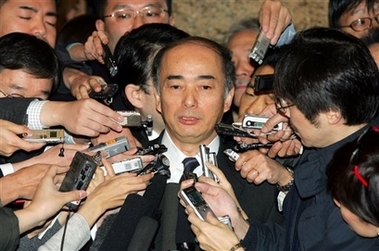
(176, 157)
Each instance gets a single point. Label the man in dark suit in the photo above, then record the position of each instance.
(194, 86)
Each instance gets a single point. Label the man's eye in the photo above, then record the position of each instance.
(206, 87)
(124, 16)
(25, 17)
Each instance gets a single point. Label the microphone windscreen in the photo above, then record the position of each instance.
(143, 235)
(123, 227)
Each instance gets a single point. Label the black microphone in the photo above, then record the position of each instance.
(149, 125)
(135, 208)
(143, 234)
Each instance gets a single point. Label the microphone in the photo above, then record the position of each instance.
(143, 234)
(136, 207)
(149, 125)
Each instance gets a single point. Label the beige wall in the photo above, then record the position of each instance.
(212, 18)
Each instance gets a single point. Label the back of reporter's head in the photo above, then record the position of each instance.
(32, 55)
(325, 70)
(353, 176)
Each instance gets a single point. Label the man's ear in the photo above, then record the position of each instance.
(228, 100)
(133, 94)
(171, 20)
(158, 103)
(100, 25)
(333, 117)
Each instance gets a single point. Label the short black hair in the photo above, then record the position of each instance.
(135, 51)
(33, 55)
(325, 70)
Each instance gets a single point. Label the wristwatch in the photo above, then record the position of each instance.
(286, 187)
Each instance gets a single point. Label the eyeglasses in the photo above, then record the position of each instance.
(11, 95)
(362, 24)
(148, 13)
(281, 105)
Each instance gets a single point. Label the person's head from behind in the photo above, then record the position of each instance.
(134, 56)
(320, 85)
(240, 39)
(372, 42)
(119, 17)
(353, 180)
(33, 17)
(194, 86)
(29, 67)
(355, 17)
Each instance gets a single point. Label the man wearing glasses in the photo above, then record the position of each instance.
(116, 19)
(354, 17)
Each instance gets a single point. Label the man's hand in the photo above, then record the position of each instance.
(22, 184)
(274, 17)
(47, 200)
(51, 156)
(211, 234)
(80, 83)
(257, 167)
(85, 117)
(11, 142)
(93, 47)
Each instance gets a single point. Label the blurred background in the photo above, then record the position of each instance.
(212, 18)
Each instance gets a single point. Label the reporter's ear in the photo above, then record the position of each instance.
(133, 94)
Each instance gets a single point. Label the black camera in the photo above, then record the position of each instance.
(82, 168)
(110, 63)
(151, 150)
(263, 83)
(160, 165)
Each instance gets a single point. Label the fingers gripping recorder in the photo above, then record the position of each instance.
(82, 168)
(207, 156)
(193, 198)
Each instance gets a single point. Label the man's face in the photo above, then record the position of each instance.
(35, 17)
(252, 103)
(191, 97)
(240, 44)
(115, 28)
(359, 12)
(19, 82)
(319, 134)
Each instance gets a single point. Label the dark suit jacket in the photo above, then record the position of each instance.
(258, 201)
(14, 109)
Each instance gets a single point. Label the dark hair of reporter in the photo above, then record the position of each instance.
(330, 80)
(77, 30)
(353, 176)
(135, 51)
(31, 54)
(99, 6)
(338, 7)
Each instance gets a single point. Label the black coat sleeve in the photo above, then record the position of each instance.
(9, 230)
(14, 109)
